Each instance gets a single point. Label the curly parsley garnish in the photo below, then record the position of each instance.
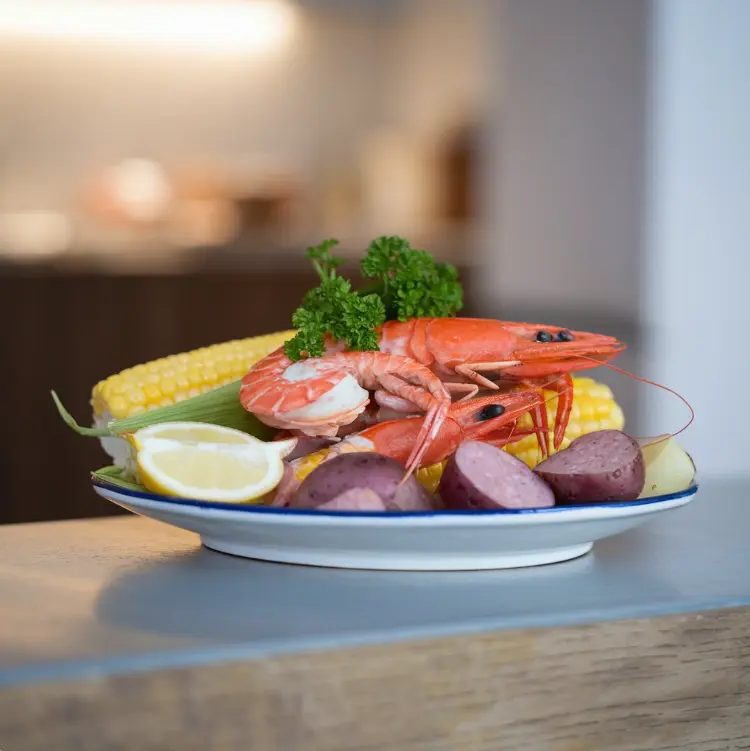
(408, 284)
(333, 307)
(412, 284)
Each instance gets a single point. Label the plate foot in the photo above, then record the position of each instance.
(385, 561)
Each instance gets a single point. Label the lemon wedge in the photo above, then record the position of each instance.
(207, 462)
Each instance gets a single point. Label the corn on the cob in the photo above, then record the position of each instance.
(207, 379)
(594, 408)
(173, 379)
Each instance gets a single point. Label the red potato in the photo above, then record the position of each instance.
(355, 499)
(606, 465)
(481, 476)
(376, 472)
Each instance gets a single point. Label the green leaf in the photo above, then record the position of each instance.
(114, 476)
(73, 425)
(407, 284)
(414, 284)
(325, 264)
(333, 308)
(218, 407)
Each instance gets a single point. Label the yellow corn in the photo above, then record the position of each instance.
(178, 377)
(594, 408)
(306, 464)
(430, 476)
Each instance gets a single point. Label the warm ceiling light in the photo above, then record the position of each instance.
(252, 26)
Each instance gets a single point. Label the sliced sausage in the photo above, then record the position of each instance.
(481, 476)
(377, 472)
(355, 499)
(606, 465)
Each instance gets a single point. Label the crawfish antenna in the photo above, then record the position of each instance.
(652, 383)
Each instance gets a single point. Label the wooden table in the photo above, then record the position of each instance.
(123, 633)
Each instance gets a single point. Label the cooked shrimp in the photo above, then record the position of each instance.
(318, 395)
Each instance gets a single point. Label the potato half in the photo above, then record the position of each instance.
(669, 468)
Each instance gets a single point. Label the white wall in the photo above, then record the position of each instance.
(695, 276)
(564, 155)
(618, 181)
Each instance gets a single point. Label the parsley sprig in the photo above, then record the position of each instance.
(412, 284)
(407, 284)
(333, 307)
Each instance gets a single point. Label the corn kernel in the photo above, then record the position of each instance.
(116, 383)
(430, 476)
(118, 406)
(209, 375)
(223, 368)
(135, 396)
(308, 463)
(168, 386)
(587, 410)
(602, 409)
(153, 394)
(105, 391)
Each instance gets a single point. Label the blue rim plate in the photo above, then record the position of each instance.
(275, 510)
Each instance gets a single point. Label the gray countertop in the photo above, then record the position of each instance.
(80, 598)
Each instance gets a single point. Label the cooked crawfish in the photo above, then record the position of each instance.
(318, 395)
(472, 353)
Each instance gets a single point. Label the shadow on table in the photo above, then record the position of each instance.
(214, 596)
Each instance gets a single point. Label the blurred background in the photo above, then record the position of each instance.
(164, 165)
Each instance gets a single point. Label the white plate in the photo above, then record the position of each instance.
(414, 541)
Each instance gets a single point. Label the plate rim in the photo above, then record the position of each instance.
(258, 510)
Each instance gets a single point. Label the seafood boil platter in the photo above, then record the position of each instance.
(384, 431)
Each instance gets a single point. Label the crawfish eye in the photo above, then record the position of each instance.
(490, 411)
(543, 336)
(565, 336)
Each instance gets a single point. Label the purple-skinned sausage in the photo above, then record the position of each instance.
(355, 499)
(606, 465)
(481, 476)
(378, 473)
